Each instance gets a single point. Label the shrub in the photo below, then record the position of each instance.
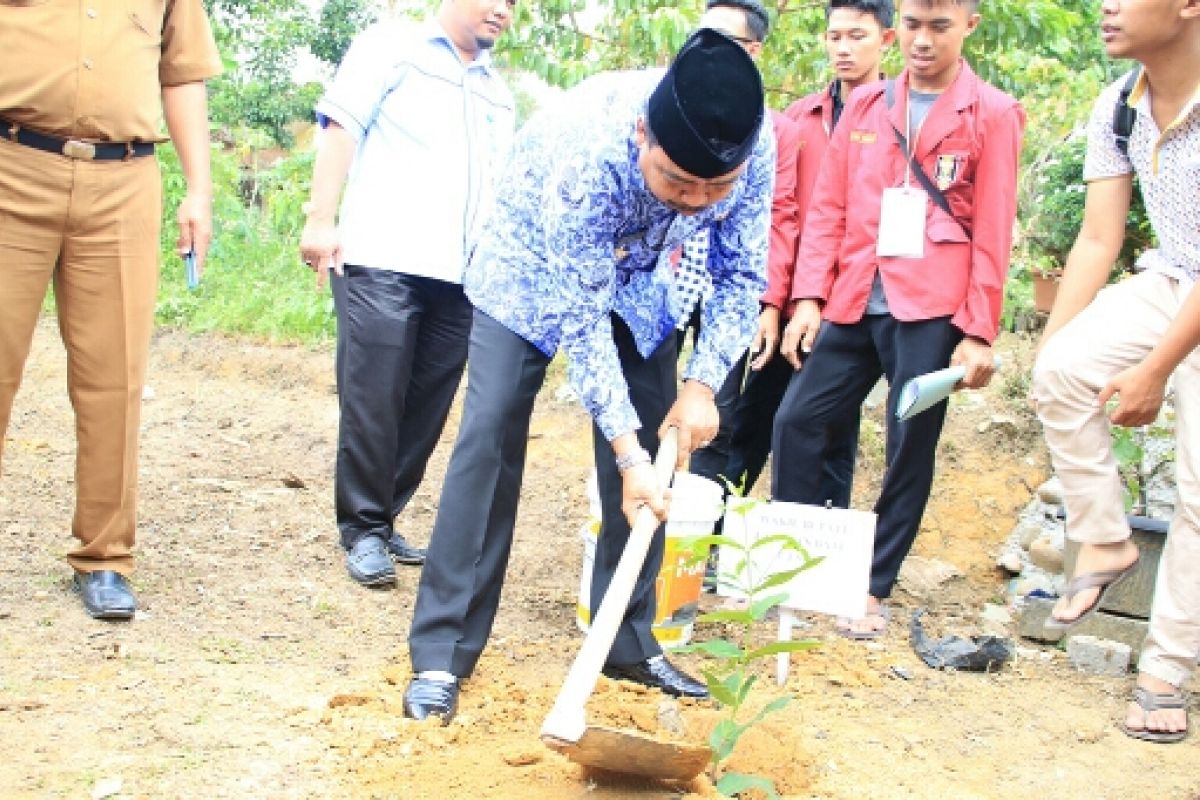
(1052, 202)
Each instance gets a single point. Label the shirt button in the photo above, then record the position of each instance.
(87, 62)
(91, 12)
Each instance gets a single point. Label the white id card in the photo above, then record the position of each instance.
(902, 222)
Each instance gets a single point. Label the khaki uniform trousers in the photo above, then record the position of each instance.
(1115, 332)
(92, 226)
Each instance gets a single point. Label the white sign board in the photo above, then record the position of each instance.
(838, 585)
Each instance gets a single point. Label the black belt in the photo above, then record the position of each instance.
(74, 148)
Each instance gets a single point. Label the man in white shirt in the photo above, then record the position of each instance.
(415, 126)
(1122, 343)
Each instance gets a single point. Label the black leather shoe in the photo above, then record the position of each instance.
(658, 673)
(105, 594)
(426, 697)
(368, 562)
(405, 553)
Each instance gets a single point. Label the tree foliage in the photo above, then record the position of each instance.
(1046, 53)
(261, 44)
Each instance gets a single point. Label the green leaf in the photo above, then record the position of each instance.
(734, 783)
(714, 648)
(747, 685)
(761, 607)
(742, 617)
(724, 739)
(782, 647)
(770, 708)
(785, 542)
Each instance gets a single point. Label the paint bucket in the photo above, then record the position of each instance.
(696, 505)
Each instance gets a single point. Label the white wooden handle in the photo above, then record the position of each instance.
(567, 720)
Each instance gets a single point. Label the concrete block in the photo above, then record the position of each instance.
(1101, 625)
(1098, 656)
(1136, 593)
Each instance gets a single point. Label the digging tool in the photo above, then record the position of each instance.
(565, 728)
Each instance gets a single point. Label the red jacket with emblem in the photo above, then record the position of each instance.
(969, 144)
(813, 118)
(786, 217)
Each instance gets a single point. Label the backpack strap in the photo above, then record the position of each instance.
(1124, 115)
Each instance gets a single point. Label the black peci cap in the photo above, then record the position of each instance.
(707, 110)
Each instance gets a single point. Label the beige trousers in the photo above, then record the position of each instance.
(94, 228)
(1113, 333)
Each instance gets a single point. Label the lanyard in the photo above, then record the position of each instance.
(910, 151)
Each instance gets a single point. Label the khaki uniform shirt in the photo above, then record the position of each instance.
(94, 69)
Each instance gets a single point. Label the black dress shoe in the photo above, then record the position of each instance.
(658, 673)
(368, 562)
(405, 553)
(105, 594)
(427, 697)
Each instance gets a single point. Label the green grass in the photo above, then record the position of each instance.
(254, 284)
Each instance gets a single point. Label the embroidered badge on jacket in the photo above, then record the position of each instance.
(947, 171)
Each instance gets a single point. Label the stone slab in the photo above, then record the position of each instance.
(1136, 593)
(1101, 625)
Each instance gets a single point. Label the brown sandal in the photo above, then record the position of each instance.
(1157, 701)
(844, 625)
(1105, 580)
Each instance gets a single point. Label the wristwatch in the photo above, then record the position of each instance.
(632, 458)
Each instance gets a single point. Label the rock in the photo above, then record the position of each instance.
(1051, 491)
(1045, 555)
(106, 787)
(522, 758)
(1098, 656)
(670, 719)
(1027, 532)
(1011, 562)
(1003, 425)
(995, 619)
(996, 613)
(1032, 581)
(1100, 625)
(924, 576)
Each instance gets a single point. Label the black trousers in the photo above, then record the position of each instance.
(401, 348)
(748, 441)
(746, 406)
(844, 365)
(461, 582)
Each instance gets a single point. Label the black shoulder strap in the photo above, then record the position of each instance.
(1124, 115)
(935, 194)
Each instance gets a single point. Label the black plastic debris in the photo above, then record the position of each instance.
(977, 654)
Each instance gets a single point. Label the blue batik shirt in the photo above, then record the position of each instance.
(576, 235)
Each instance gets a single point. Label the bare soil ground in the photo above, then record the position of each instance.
(257, 669)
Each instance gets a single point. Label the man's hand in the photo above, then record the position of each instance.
(695, 414)
(639, 487)
(194, 218)
(976, 356)
(766, 338)
(1139, 391)
(801, 332)
(320, 247)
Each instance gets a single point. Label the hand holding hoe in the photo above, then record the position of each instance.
(566, 729)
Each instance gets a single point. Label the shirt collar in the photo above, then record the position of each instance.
(1139, 99)
(433, 31)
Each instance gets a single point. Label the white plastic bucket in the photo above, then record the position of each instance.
(695, 508)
